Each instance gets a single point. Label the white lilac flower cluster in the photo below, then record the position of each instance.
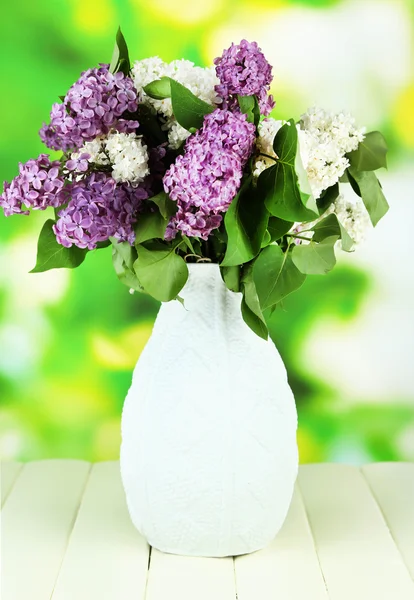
(126, 152)
(268, 128)
(324, 140)
(353, 215)
(200, 81)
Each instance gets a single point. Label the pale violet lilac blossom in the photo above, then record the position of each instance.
(243, 70)
(99, 209)
(38, 185)
(78, 162)
(204, 180)
(92, 107)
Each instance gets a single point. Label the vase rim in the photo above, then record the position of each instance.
(191, 266)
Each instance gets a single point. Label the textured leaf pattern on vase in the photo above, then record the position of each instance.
(209, 455)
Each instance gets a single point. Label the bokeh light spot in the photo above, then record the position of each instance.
(121, 353)
(183, 12)
(94, 17)
(404, 116)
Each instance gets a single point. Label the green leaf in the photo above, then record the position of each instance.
(245, 222)
(187, 108)
(250, 305)
(150, 226)
(284, 185)
(159, 89)
(126, 251)
(167, 207)
(125, 274)
(275, 276)
(150, 126)
(52, 255)
(277, 228)
(161, 271)
(231, 277)
(101, 245)
(371, 153)
(189, 244)
(327, 197)
(330, 226)
(369, 188)
(249, 106)
(315, 258)
(120, 57)
(267, 239)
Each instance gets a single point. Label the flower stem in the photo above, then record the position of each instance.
(299, 237)
(268, 156)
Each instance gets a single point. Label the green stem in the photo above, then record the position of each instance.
(268, 156)
(299, 237)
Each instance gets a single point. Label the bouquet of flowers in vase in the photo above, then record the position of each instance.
(174, 163)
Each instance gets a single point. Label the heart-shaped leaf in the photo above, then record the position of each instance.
(167, 207)
(52, 255)
(278, 227)
(150, 226)
(315, 258)
(161, 272)
(187, 108)
(284, 185)
(371, 153)
(275, 276)
(245, 222)
(330, 226)
(366, 185)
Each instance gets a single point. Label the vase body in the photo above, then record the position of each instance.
(209, 455)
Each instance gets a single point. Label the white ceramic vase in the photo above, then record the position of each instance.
(209, 455)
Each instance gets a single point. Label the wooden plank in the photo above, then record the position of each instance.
(288, 569)
(173, 577)
(9, 472)
(107, 559)
(36, 523)
(356, 552)
(392, 484)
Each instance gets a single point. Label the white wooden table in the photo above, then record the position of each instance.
(66, 535)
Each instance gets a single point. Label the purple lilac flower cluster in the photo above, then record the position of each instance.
(99, 209)
(92, 106)
(38, 185)
(244, 70)
(204, 180)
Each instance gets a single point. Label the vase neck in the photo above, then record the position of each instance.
(206, 288)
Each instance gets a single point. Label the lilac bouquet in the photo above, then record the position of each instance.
(174, 163)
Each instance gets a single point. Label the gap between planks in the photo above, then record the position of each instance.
(392, 486)
(357, 554)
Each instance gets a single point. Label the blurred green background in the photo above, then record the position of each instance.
(69, 340)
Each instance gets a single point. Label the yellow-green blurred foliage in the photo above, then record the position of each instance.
(69, 340)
